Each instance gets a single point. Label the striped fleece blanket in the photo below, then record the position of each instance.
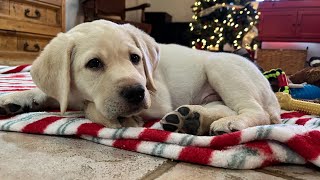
(295, 141)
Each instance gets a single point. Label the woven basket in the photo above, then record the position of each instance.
(290, 61)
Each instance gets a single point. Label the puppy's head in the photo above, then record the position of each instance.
(102, 62)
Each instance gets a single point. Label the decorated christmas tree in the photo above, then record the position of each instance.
(218, 23)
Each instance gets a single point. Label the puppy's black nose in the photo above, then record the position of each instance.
(133, 94)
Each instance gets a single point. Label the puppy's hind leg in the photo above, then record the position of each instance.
(195, 119)
(25, 101)
(242, 88)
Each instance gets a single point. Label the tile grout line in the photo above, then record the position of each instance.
(273, 173)
(165, 167)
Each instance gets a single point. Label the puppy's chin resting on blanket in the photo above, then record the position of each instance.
(118, 74)
(94, 115)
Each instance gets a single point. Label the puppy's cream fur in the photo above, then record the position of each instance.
(227, 90)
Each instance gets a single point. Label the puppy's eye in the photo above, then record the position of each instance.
(95, 64)
(135, 59)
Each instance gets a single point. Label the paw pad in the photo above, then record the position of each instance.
(192, 123)
(169, 127)
(184, 111)
(182, 120)
(13, 107)
(3, 111)
(173, 118)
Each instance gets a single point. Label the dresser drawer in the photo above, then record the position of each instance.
(4, 7)
(16, 58)
(8, 41)
(20, 48)
(31, 44)
(55, 2)
(31, 16)
(35, 13)
(27, 26)
(22, 42)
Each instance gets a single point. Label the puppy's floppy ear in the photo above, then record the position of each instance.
(149, 49)
(51, 70)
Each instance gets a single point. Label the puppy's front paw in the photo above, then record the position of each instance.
(184, 120)
(11, 109)
(15, 104)
(226, 125)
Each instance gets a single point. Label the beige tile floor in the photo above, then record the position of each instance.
(27, 157)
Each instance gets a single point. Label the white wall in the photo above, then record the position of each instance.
(74, 14)
(132, 15)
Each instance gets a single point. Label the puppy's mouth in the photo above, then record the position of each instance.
(121, 119)
(133, 109)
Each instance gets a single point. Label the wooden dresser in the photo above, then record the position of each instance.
(26, 26)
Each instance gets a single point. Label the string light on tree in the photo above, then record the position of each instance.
(220, 22)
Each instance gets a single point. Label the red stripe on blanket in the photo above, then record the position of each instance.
(196, 155)
(15, 70)
(263, 146)
(11, 90)
(307, 145)
(292, 115)
(154, 135)
(11, 83)
(16, 76)
(39, 126)
(302, 121)
(19, 87)
(91, 129)
(225, 140)
(150, 123)
(127, 144)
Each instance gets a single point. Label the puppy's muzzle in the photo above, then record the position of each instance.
(133, 94)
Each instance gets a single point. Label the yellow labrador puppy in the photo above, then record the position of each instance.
(118, 74)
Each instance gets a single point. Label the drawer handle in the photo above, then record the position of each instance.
(26, 47)
(36, 12)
